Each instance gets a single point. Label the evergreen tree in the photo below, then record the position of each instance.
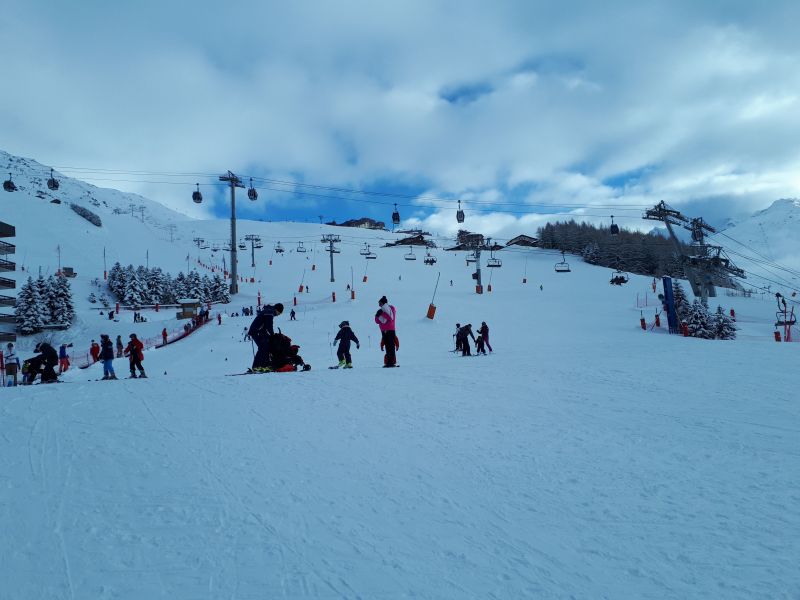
(168, 295)
(135, 290)
(682, 305)
(699, 321)
(143, 275)
(30, 311)
(92, 298)
(63, 309)
(208, 291)
(51, 299)
(221, 292)
(155, 285)
(104, 300)
(179, 286)
(43, 287)
(116, 281)
(722, 325)
(194, 285)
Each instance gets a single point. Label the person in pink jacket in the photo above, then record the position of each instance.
(385, 318)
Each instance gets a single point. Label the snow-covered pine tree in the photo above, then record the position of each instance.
(179, 286)
(682, 305)
(722, 325)
(207, 287)
(699, 321)
(43, 288)
(135, 290)
(591, 253)
(30, 311)
(155, 285)
(143, 274)
(51, 298)
(63, 311)
(194, 285)
(116, 281)
(104, 300)
(221, 292)
(92, 298)
(168, 289)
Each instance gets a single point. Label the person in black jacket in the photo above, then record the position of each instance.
(45, 361)
(462, 338)
(261, 329)
(344, 337)
(107, 356)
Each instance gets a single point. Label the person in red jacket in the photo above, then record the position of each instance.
(164, 335)
(135, 352)
(94, 350)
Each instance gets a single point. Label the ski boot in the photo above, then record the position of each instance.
(142, 375)
(348, 366)
(132, 376)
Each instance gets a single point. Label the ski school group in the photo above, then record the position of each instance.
(276, 353)
(46, 359)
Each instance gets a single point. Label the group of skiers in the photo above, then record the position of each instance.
(276, 353)
(462, 335)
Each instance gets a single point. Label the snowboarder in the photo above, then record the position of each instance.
(94, 350)
(120, 346)
(261, 329)
(292, 315)
(107, 356)
(463, 335)
(484, 332)
(386, 318)
(134, 352)
(344, 337)
(63, 358)
(164, 336)
(11, 361)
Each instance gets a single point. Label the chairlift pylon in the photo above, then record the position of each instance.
(197, 197)
(251, 191)
(52, 183)
(459, 213)
(9, 185)
(563, 266)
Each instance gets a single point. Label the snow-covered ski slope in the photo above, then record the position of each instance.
(584, 458)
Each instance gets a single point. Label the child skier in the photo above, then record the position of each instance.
(344, 337)
(107, 356)
(479, 348)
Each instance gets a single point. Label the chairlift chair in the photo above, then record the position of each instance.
(395, 216)
(618, 278)
(278, 248)
(410, 255)
(300, 247)
(365, 250)
(494, 263)
(52, 183)
(9, 185)
(197, 197)
(430, 259)
(251, 191)
(370, 256)
(614, 229)
(242, 246)
(259, 245)
(563, 266)
(471, 258)
(459, 213)
(203, 246)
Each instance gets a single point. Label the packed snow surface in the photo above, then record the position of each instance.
(583, 458)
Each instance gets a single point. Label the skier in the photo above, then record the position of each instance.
(45, 361)
(484, 332)
(464, 334)
(164, 336)
(455, 335)
(344, 337)
(11, 361)
(479, 348)
(219, 319)
(386, 318)
(63, 358)
(260, 332)
(107, 356)
(292, 315)
(94, 350)
(120, 346)
(134, 351)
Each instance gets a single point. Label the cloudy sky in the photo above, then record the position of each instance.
(518, 108)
